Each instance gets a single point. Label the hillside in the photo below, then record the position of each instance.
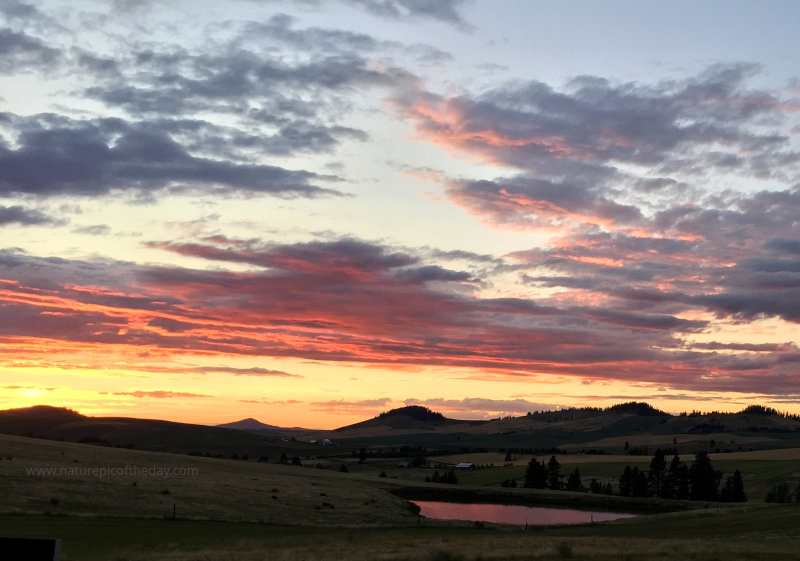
(624, 428)
(249, 424)
(405, 420)
(64, 478)
(148, 434)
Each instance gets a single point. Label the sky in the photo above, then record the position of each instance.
(310, 212)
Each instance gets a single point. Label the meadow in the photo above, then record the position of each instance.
(227, 510)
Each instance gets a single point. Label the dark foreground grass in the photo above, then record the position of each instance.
(732, 534)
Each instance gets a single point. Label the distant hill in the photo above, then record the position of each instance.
(405, 419)
(55, 423)
(631, 428)
(637, 408)
(248, 424)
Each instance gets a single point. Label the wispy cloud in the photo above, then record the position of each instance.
(160, 394)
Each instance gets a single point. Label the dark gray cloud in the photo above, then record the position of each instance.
(447, 11)
(94, 230)
(20, 52)
(281, 91)
(58, 156)
(21, 215)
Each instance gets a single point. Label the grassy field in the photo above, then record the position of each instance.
(199, 488)
(232, 510)
(745, 533)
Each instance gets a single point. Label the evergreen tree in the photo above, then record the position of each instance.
(574, 482)
(669, 490)
(779, 494)
(640, 487)
(703, 478)
(553, 474)
(536, 475)
(626, 482)
(657, 475)
(595, 487)
(733, 489)
(682, 487)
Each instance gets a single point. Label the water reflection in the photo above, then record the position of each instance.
(513, 514)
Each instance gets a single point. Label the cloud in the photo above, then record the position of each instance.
(271, 402)
(21, 52)
(352, 407)
(23, 216)
(192, 119)
(331, 300)
(59, 156)
(597, 153)
(255, 371)
(94, 230)
(30, 388)
(447, 11)
(161, 394)
(482, 408)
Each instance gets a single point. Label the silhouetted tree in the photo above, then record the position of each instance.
(657, 475)
(633, 482)
(640, 487)
(595, 487)
(626, 482)
(574, 482)
(733, 489)
(535, 475)
(703, 478)
(779, 494)
(553, 474)
(362, 455)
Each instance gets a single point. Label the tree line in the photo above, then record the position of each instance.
(664, 480)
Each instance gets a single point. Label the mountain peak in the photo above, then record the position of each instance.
(247, 424)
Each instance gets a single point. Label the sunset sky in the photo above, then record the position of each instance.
(311, 211)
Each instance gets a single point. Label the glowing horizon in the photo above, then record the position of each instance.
(312, 212)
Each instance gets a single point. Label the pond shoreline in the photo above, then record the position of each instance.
(516, 515)
(543, 498)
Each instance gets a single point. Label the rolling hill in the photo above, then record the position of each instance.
(405, 420)
(628, 427)
(55, 423)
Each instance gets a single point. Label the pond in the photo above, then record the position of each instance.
(513, 514)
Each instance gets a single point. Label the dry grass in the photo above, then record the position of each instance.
(777, 454)
(215, 490)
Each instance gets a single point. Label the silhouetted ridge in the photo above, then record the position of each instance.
(41, 412)
(412, 417)
(637, 408)
(415, 412)
(248, 424)
(759, 410)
